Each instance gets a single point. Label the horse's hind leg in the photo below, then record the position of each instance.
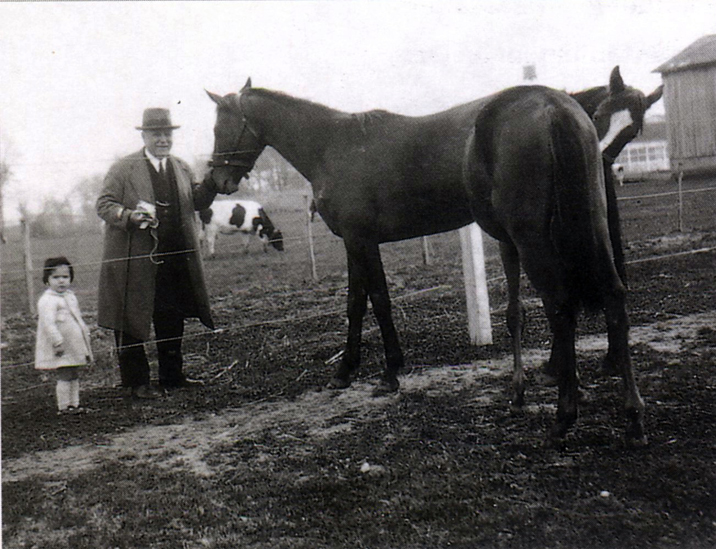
(515, 319)
(380, 299)
(562, 315)
(618, 331)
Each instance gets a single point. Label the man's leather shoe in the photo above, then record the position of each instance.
(145, 392)
(184, 383)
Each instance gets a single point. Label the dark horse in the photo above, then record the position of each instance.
(620, 108)
(617, 112)
(534, 176)
(376, 177)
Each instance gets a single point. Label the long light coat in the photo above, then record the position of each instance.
(126, 287)
(60, 322)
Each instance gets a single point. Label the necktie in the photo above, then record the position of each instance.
(162, 173)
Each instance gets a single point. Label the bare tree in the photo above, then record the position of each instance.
(5, 175)
(84, 196)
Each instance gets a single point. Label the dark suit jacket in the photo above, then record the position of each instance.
(126, 287)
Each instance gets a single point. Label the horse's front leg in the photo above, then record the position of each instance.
(515, 319)
(357, 304)
(618, 330)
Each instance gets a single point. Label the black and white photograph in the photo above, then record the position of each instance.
(338, 274)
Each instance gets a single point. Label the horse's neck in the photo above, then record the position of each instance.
(299, 130)
(591, 98)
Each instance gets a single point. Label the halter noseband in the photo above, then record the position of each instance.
(237, 159)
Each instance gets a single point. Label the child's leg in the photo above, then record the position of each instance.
(62, 390)
(68, 387)
(75, 393)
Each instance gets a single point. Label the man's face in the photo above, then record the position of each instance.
(158, 142)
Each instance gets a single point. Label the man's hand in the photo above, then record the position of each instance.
(141, 220)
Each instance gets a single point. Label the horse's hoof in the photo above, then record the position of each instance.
(553, 442)
(548, 375)
(386, 387)
(635, 435)
(339, 383)
(637, 442)
(562, 425)
(609, 368)
(518, 402)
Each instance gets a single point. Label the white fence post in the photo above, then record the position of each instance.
(478, 302)
(311, 252)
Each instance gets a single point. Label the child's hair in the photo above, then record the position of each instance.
(52, 263)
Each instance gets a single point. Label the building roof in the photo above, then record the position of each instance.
(700, 53)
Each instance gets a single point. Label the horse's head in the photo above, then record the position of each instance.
(620, 116)
(236, 143)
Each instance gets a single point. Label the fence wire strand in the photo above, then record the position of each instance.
(337, 310)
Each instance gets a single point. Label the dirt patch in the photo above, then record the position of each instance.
(320, 414)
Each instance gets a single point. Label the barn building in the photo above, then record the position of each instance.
(690, 105)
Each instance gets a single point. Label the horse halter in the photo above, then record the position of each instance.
(238, 158)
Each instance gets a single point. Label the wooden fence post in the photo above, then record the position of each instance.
(27, 251)
(681, 200)
(427, 259)
(311, 251)
(473, 269)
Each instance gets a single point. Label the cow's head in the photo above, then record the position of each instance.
(276, 240)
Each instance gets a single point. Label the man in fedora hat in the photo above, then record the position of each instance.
(151, 270)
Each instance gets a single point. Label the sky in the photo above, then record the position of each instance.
(76, 76)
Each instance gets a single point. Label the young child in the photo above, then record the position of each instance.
(63, 342)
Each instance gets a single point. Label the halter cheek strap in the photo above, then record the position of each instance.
(237, 158)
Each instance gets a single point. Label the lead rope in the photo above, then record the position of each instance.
(155, 237)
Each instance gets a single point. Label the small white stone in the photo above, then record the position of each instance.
(365, 467)
(604, 494)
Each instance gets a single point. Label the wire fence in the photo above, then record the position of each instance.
(644, 214)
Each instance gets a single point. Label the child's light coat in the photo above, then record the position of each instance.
(60, 322)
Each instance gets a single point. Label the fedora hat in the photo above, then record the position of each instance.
(156, 119)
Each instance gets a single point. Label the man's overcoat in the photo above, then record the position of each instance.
(126, 287)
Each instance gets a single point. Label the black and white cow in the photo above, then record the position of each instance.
(238, 216)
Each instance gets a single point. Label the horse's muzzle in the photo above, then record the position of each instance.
(225, 181)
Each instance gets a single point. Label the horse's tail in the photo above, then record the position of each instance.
(615, 228)
(578, 224)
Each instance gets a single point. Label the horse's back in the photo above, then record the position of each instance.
(534, 176)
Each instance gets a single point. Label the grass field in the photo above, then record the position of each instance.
(263, 457)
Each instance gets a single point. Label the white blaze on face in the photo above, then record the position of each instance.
(618, 121)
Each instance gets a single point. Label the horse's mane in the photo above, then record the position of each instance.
(286, 100)
(369, 118)
(365, 120)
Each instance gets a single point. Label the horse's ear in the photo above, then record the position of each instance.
(654, 96)
(616, 84)
(247, 85)
(214, 97)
